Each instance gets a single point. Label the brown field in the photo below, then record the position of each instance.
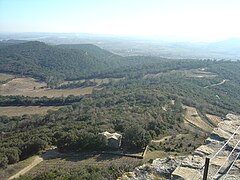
(192, 119)
(5, 77)
(30, 87)
(21, 110)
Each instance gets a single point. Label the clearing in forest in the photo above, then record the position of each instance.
(193, 120)
(30, 87)
(21, 110)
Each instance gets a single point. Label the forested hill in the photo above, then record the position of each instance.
(90, 49)
(41, 60)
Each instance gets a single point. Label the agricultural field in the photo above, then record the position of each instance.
(31, 87)
(21, 110)
(5, 77)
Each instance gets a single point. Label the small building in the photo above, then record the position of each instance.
(114, 139)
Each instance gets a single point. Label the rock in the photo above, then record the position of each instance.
(191, 165)
(193, 161)
(159, 168)
(166, 166)
(220, 135)
(186, 173)
(203, 150)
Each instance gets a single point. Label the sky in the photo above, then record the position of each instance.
(191, 20)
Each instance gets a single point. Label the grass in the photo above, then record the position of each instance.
(13, 169)
(21, 110)
(76, 160)
(5, 77)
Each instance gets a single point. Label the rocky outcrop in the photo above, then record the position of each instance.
(158, 168)
(192, 166)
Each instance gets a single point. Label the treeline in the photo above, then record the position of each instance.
(77, 84)
(38, 101)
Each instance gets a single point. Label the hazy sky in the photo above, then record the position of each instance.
(198, 20)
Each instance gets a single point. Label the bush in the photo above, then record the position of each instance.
(3, 161)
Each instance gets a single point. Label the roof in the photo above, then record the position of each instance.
(111, 135)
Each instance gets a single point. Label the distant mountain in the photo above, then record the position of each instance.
(232, 42)
(41, 60)
(90, 49)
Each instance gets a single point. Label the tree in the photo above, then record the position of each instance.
(12, 156)
(3, 161)
(137, 137)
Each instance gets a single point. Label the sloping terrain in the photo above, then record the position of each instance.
(42, 60)
(191, 166)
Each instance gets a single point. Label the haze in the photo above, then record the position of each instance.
(188, 20)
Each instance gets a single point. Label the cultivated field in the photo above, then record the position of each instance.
(193, 120)
(5, 77)
(21, 110)
(30, 87)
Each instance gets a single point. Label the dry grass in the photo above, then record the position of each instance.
(5, 77)
(150, 155)
(193, 73)
(192, 118)
(214, 119)
(30, 87)
(21, 110)
(76, 160)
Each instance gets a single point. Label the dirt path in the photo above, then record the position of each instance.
(35, 162)
(222, 82)
(51, 153)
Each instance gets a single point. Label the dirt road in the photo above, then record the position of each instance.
(222, 82)
(51, 153)
(35, 162)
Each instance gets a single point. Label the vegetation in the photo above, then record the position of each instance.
(37, 101)
(140, 107)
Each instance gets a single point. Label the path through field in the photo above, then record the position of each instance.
(51, 153)
(35, 162)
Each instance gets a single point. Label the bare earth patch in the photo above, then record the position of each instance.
(21, 110)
